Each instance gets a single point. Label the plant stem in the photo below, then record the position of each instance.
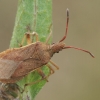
(37, 14)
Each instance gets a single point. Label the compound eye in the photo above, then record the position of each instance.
(53, 43)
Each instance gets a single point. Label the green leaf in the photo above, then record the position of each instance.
(38, 15)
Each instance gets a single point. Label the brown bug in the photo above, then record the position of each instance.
(9, 91)
(18, 62)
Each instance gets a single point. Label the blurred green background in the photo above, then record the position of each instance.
(79, 74)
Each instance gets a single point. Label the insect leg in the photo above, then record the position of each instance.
(51, 69)
(34, 34)
(54, 64)
(42, 74)
(26, 37)
(48, 38)
(31, 83)
(29, 38)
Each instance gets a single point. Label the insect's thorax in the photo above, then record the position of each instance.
(38, 52)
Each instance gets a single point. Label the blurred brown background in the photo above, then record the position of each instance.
(79, 74)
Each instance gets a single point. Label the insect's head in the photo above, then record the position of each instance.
(56, 47)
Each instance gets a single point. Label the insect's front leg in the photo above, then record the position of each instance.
(28, 37)
(34, 34)
(48, 38)
(51, 62)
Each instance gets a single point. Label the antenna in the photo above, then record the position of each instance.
(67, 21)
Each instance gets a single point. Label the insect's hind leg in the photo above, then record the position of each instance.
(43, 78)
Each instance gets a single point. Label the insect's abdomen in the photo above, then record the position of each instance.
(26, 66)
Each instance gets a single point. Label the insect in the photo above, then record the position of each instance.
(9, 91)
(18, 62)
